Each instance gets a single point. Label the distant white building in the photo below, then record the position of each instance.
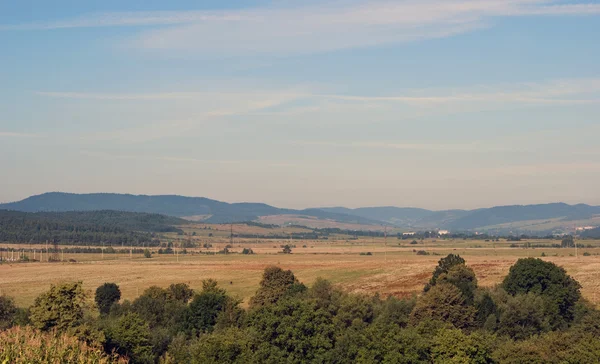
(443, 232)
(412, 233)
(583, 228)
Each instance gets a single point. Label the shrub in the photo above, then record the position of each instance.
(61, 307)
(147, 253)
(559, 290)
(106, 295)
(8, 311)
(422, 252)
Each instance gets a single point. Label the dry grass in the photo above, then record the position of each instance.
(393, 270)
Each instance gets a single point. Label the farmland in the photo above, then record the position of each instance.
(393, 268)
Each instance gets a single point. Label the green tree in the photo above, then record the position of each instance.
(446, 303)
(180, 292)
(147, 253)
(287, 249)
(106, 295)
(443, 266)
(130, 335)
(275, 284)
(463, 278)
(61, 308)
(232, 345)
(559, 290)
(522, 316)
(292, 330)
(454, 346)
(8, 311)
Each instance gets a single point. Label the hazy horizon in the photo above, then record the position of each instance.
(436, 104)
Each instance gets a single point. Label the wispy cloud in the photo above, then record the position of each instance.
(184, 159)
(390, 145)
(8, 134)
(313, 28)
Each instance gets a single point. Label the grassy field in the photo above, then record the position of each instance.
(393, 268)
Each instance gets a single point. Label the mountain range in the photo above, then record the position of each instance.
(519, 218)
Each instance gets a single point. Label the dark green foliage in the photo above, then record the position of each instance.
(443, 266)
(60, 308)
(454, 346)
(147, 254)
(554, 347)
(8, 312)
(444, 302)
(180, 292)
(522, 316)
(486, 311)
(463, 278)
(275, 284)
(92, 227)
(247, 251)
(232, 345)
(201, 315)
(559, 291)
(130, 335)
(159, 309)
(106, 295)
(287, 249)
(292, 330)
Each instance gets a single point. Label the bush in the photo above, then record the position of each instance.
(367, 253)
(559, 290)
(28, 345)
(586, 254)
(247, 251)
(147, 253)
(8, 311)
(422, 252)
(61, 308)
(106, 295)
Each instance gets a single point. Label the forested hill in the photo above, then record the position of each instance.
(461, 220)
(90, 227)
(172, 205)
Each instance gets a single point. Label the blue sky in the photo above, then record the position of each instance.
(431, 103)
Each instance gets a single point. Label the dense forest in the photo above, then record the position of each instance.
(85, 227)
(536, 315)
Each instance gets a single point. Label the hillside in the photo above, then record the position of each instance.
(90, 227)
(172, 205)
(540, 218)
(499, 218)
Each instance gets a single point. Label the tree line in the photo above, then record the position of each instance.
(536, 315)
(84, 227)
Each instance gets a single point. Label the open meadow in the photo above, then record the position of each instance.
(393, 268)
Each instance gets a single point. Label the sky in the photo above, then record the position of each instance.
(436, 104)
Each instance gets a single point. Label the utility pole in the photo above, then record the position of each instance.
(385, 240)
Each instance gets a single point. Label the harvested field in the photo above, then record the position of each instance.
(392, 270)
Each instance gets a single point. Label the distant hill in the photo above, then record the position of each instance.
(495, 218)
(593, 233)
(507, 214)
(172, 205)
(93, 227)
(544, 217)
